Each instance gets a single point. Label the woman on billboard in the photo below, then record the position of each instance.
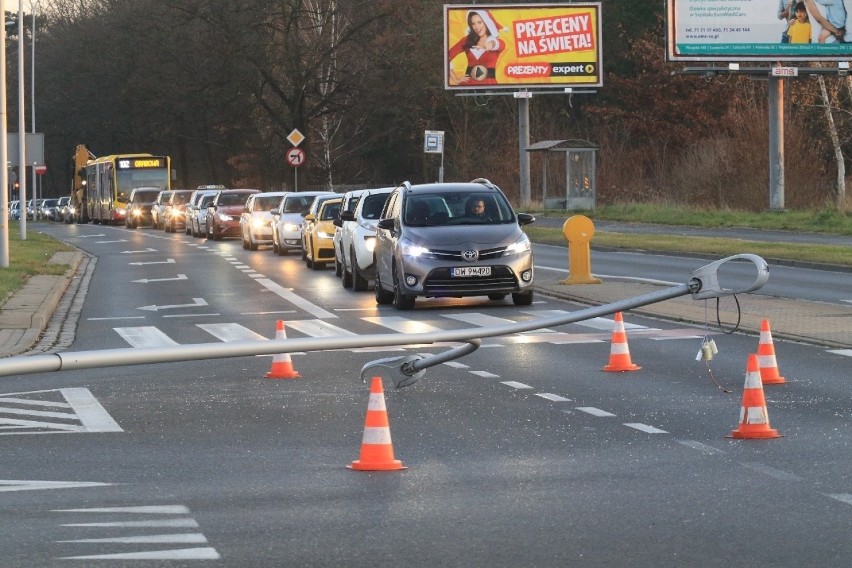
(482, 47)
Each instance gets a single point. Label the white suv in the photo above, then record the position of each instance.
(350, 201)
(358, 239)
(256, 219)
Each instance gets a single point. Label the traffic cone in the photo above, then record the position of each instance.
(282, 364)
(376, 446)
(754, 418)
(766, 357)
(619, 353)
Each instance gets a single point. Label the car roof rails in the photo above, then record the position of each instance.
(406, 185)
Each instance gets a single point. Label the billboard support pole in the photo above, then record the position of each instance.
(523, 144)
(776, 144)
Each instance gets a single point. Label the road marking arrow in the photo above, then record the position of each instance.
(149, 249)
(24, 485)
(147, 280)
(153, 308)
(167, 261)
(108, 242)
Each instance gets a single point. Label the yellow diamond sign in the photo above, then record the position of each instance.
(295, 138)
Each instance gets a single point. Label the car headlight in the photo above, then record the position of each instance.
(225, 217)
(291, 227)
(121, 210)
(414, 250)
(370, 243)
(259, 223)
(520, 246)
(325, 235)
(177, 214)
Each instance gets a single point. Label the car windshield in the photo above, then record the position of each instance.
(180, 198)
(330, 212)
(145, 196)
(456, 208)
(373, 205)
(267, 203)
(298, 203)
(228, 199)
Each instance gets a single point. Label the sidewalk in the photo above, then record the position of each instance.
(25, 317)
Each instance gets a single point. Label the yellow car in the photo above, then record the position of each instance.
(318, 232)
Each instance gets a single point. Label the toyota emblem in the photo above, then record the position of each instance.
(470, 255)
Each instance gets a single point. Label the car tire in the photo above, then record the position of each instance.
(338, 267)
(401, 301)
(318, 266)
(345, 277)
(359, 283)
(383, 297)
(243, 242)
(251, 244)
(522, 298)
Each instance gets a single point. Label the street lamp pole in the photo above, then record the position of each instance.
(33, 8)
(22, 128)
(4, 150)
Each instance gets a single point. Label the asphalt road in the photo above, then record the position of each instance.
(524, 453)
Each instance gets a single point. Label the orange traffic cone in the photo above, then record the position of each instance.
(619, 353)
(754, 419)
(376, 447)
(766, 357)
(282, 364)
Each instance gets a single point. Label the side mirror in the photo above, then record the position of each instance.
(337, 222)
(347, 215)
(387, 224)
(525, 219)
(309, 217)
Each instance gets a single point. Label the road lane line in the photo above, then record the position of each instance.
(295, 299)
(145, 336)
(645, 428)
(516, 385)
(552, 397)
(594, 411)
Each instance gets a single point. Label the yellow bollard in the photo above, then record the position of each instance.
(579, 230)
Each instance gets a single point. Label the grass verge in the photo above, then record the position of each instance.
(28, 258)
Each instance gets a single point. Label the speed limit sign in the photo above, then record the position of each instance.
(295, 157)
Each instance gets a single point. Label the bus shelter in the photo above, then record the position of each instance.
(578, 191)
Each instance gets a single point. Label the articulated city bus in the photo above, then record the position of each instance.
(110, 179)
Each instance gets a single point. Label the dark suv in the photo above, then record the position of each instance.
(139, 206)
(452, 240)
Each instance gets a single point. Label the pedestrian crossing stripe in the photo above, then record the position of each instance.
(172, 518)
(151, 336)
(71, 410)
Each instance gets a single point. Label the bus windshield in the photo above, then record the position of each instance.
(154, 177)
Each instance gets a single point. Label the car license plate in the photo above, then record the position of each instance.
(466, 271)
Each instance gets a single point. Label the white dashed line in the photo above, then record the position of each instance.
(645, 428)
(516, 385)
(843, 497)
(485, 374)
(595, 411)
(552, 397)
(700, 447)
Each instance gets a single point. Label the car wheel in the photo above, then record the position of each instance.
(359, 283)
(318, 265)
(243, 242)
(400, 300)
(251, 244)
(496, 296)
(345, 277)
(522, 298)
(338, 267)
(383, 297)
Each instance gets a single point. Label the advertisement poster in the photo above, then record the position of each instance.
(753, 30)
(522, 46)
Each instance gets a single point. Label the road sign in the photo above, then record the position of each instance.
(295, 157)
(40, 170)
(433, 142)
(785, 71)
(295, 138)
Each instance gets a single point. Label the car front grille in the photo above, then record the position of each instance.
(440, 283)
(456, 255)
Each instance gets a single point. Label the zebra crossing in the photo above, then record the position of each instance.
(147, 530)
(596, 330)
(57, 411)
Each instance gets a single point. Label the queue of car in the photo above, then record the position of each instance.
(410, 241)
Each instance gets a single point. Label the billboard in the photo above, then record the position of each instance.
(754, 30)
(522, 46)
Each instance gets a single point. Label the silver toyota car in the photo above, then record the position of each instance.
(452, 240)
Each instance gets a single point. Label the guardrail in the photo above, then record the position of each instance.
(704, 283)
